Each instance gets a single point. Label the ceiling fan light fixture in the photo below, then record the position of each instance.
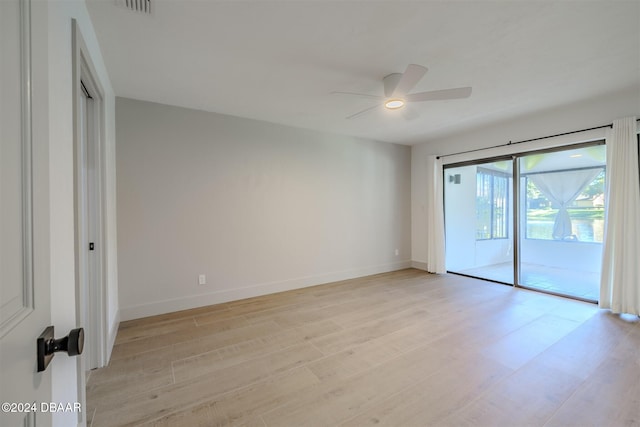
(394, 104)
(397, 92)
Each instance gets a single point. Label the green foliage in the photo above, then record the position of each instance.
(596, 187)
(532, 190)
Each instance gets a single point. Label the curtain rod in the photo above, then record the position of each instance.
(610, 125)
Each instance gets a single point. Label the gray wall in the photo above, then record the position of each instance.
(256, 207)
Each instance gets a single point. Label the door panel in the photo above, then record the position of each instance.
(479, 235)
(24, 287)
(16, 299)
(562, 221)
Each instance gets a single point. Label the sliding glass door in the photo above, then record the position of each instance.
(562, 221)
(478, 223)
(544, 233)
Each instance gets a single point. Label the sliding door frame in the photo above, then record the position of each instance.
(516, 204)
(515, 164)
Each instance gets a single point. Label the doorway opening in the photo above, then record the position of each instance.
(533, 220)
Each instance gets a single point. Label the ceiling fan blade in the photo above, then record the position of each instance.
(437, 95)
(363, 95)
(363, 112)
(409, 79)
(390, 83)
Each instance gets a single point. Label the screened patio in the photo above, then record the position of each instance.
(560, 220)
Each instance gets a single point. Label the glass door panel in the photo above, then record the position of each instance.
(562, 221)
(478, 220)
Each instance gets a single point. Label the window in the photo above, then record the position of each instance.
(492, 195)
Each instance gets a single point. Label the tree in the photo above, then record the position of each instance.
(596, 187)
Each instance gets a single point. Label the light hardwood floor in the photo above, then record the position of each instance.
(400, 349)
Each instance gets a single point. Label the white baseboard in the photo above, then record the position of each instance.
(419, 265)
(194, 301)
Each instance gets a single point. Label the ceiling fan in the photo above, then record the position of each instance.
(397, 87)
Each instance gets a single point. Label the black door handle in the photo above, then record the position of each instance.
(73, 344)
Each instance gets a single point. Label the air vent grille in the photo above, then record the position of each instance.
(141, 6)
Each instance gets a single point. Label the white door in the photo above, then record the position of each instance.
(25, 308)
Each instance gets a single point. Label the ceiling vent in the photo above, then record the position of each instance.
(141, 6)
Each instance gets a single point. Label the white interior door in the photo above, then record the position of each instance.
(24, 272)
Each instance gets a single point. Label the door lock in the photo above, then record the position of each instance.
(73, 344)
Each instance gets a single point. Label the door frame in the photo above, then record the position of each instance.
(516, 203)
(83, 73)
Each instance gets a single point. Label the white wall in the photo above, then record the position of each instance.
(460, 224)
(61, 164)
(580, 256)
(586, 114)
(256, 207)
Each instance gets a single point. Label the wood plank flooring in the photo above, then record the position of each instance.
(399, 349)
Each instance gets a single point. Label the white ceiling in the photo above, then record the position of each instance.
(278, 61)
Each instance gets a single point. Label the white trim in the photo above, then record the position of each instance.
(113, 332)
(185, 303)
(83, 69)
(419, 265)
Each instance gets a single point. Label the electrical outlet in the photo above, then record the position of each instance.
(397, 252)
(202, 279)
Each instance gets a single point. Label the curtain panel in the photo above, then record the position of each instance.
(435, 218)
(620, 281)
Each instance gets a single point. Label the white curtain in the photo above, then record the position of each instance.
(435, 218)
(620, 282)
(562, 188)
